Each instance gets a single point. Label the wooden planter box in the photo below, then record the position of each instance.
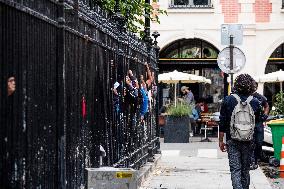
(176, 129)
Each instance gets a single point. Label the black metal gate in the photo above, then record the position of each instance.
(65, 57)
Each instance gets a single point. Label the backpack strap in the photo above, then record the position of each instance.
(249, 99)
(237, 98)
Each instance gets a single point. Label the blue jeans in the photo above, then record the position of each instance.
(239, 154)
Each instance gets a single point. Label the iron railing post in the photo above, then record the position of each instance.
(147, 37)
(61, 99)
(157, 48)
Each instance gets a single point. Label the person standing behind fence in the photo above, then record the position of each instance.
(259, 129)
(7, 150)
(149, 85)
(131, 92)
(239, 149)
(116, 97)
(144, 101)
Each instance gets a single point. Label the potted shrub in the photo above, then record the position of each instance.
(278, 104)
(176, 129)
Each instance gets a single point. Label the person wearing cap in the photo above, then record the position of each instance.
(189, 97)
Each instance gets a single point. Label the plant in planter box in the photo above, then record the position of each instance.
(278, 104)
(182, 109)
(176, 129)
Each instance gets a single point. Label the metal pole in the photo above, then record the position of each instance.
(118, 16)
(147, 37)
(61, 99)
(231, 60)
(175, 94)
(157, 48)
(117, 7)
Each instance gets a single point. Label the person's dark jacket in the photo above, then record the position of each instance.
(263, 101)
(227, 108)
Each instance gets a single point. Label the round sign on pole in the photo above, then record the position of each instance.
(239, 60)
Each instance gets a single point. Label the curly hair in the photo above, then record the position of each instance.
(245, 84)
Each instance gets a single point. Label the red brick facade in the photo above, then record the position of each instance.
(262, 9)
(155, 13)
(231, 10)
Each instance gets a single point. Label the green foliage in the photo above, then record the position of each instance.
(134, 12)
(182, 109)
(279, 103)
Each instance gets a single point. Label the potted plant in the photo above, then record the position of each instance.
(176, 129)
(278, 106)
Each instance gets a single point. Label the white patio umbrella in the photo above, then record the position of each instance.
(176, 77)
(272, 77)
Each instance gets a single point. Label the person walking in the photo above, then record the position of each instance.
(238, 114)
(259, 129)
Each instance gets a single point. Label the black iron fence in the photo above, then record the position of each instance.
(65, 57)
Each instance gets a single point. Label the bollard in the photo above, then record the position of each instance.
(102, 154)
(150, 153)
(281, 169)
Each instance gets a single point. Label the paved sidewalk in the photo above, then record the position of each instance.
(196, 165)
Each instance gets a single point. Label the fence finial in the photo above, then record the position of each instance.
(155, 34)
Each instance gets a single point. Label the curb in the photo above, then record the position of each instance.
(147, 169)
(259, 180)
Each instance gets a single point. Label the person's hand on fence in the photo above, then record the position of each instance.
(127, 81)
(115, 91)
(130, 73)
(142, 119)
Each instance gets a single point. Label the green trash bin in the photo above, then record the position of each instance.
(277, 128)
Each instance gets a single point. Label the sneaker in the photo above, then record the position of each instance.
(253, 166)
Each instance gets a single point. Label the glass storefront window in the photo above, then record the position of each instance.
(190, 48)
(279, 52)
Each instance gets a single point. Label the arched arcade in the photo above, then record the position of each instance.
(195, 56)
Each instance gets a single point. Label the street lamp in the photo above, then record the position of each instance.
(147, 36)
(118, 17)
(116, 6)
